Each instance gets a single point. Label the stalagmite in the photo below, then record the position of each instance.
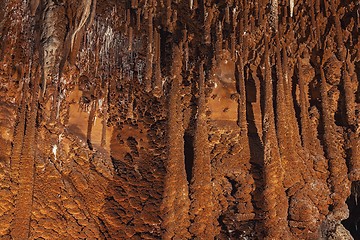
(281, 113)
(354, 174)
(20, 226)
(175, 204)
(184, 119)
(18, 137)
(337, 165)
(284, 132)
(201, 209)
(354, 166)
(275, 204)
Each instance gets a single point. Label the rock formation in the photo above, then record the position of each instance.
(183, 119)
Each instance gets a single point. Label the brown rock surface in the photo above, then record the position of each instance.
(154, 119)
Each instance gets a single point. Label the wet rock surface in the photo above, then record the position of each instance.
(159, 119)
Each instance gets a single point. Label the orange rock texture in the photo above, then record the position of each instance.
(179, 119)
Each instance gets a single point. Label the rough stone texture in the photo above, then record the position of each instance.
(160, 119)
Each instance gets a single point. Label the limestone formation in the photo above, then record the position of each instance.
(179, 119)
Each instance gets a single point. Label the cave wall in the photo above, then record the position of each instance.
(153, 119)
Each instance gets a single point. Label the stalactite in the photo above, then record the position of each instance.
(51, 45)
(327, 8)
(233, 43)
(235, 13)
(227, 14)
(241, 30)
(201, 211)
(261, 14)
(128, 21)
(130, 100)
(313, 20)
(186, 48)
(219, 41)
(291, 5)
(105, 114)
(252, 24)
(274, 22)
(34, 4)
(82, 16)
(195, 4)
(97, 51)
(134, 4)
(174, 20)
(138, 19)
(230, 158)
(130, 34)
(304, 106)
(168, 13)
(175, 205)
(241, 86)
(209, 14)
(302, 23)
(246, 32)
(339, 40)
(317, 23)
(317, 7)
(246, 15)
(157, 90)
(149, 52)
(90, 123)
(256, 12)
(340, 185)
